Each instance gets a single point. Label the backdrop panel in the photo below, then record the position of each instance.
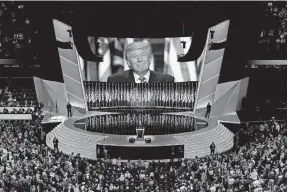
(243, 91)
(210, 72)
(70, 65)
(229, 97)
(51, 92)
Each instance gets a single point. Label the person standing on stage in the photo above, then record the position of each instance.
(212, 148)
(105, 152)
(208, 110)
(69, 110)
(38, 106)
(56, 142)
(41, 105)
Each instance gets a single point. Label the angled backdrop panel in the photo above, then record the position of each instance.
(233, 100)
(229, 97)
(242, 92)
(222, 88)
(218, 107)
(214, 69)
(210, 72)
(53, 92)
(58, 95)
(70, 67)
(38, 88)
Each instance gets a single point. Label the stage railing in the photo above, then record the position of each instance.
(101, 95)
(154, 124)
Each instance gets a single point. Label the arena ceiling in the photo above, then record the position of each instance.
(150, 19)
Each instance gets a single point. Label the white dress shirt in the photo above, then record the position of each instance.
(137, 80)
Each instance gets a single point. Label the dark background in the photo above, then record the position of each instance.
(152, 19)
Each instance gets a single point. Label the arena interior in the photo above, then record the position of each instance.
(144, 97)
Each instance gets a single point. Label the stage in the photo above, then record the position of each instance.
(123, 140)
(86, 129)
(195, 143)
(161, 147)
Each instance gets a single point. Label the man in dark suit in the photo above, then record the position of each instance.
(138, 56)
(212, 148)
(69, 109)
(56, 142)
(41, 105)
(208, 110)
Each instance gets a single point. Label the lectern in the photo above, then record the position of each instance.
(140, 133)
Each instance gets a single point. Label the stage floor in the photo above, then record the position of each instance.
(156, 141)
(196, 143)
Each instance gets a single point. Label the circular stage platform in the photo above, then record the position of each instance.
(154, 121)
(173, 134)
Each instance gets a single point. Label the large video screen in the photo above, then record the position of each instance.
(125, 60)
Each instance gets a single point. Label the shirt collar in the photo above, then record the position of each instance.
(147, 76)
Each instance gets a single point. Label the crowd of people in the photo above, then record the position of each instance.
(17, 93)
(21, 110)
(259, 164)
(273, 38)
(17, 38)
(258, 161)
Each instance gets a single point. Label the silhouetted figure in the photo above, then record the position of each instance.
(41, 105)
(38, 106)
(55, 142)
(69, 110)
(208, 110)
(212, 148)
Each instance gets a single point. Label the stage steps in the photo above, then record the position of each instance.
(74, 141)
(196, 143)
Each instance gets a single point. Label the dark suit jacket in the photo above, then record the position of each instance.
(68, 106)
(127, 77)
(208, 107)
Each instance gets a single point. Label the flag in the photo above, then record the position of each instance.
(181, 71)
(128, 98)
(108, 120)
(107, 94)
(117, 51)
(121, 93)
(49, 104)
(88, 90)
(127, 41)
(95, 92)
(104, 69)
(171, 91)
(128, 120)
(177, 93)
(163, 99)
(114, 92)
(56, 107)
(89, 122)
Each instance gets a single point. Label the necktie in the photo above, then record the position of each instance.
(142, 80)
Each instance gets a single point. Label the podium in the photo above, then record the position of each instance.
(140, 134)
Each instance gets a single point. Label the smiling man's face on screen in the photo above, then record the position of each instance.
(139, 57)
